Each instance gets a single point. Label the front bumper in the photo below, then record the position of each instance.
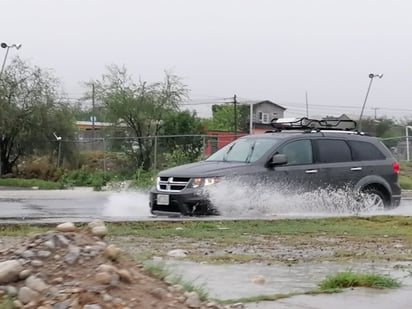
(189, 202)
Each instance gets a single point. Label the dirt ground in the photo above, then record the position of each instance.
(280, 249)
(76, 269)
(127, 284)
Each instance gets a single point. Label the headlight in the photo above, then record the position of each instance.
(204, 181)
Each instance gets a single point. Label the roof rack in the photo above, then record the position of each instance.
(305, 123)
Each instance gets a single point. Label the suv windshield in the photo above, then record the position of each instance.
(244, 150)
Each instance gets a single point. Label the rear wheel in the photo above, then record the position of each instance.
(372, 199)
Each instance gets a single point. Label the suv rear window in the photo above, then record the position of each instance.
(333, 150)
(363, 151)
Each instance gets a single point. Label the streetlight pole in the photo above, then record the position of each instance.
(407, 141)
(371, 76)
(7, 47)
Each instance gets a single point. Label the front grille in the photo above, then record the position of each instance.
(172, 184)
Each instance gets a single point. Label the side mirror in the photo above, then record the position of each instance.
(279, 159)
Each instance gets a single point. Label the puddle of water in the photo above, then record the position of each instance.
(232, 281)
(359, 298)
(127, 204)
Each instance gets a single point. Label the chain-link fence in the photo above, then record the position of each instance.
(398, 146)
(152, 152)
(157, 152)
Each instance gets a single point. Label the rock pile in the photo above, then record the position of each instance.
(74, 268)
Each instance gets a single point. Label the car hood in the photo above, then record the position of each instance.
(204, 169)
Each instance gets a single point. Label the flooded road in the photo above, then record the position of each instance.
(84, 204)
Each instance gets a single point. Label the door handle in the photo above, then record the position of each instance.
(356, 169)
(311, 171)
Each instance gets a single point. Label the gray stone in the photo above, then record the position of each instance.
(36, 284)
(17, 304)
(95, 223)
(37, 263)
(66, 227)
(92, 306)
(27, 254)
(43, 254)
(61, 239)
(73, 254)
(27, 295)
(50, 244)
(159, 293)
(24, 274)
(62, 305)
(11, 290)
(193, 300)
(9, 271)
(107, 298)
(178, 253)
(100, 231)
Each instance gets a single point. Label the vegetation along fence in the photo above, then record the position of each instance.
(159, 152)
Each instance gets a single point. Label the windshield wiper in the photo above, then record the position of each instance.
(227, 152)
(252, 148)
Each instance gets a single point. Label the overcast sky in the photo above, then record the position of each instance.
(258, 50)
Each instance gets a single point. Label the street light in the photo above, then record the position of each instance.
(407, 141)
(7, 46)
(371, 76)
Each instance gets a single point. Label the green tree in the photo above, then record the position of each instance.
(141, 106)
(224, 118)
(30, 113)
(186, 144)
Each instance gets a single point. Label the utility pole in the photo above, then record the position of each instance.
(235, 103)
(375, 109)
(93, 117)
(307, 105)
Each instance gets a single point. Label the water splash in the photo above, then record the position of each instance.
(127, 204)
(236, 199)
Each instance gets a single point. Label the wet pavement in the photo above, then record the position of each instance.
(84, 204)
(236, 281)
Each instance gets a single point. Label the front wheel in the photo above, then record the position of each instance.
(372, 199)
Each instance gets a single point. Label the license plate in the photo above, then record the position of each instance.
(162, 199)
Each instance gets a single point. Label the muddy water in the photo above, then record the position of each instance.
(248, 280)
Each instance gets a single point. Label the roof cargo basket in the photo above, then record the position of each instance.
(305, 123)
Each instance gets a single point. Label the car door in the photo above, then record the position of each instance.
(335, 157)
(300, 173)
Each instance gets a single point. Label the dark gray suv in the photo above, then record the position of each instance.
(298, 155)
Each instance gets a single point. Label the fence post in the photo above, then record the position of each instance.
(59, 153)
(203, 146)
(104, 155)
(155, 154)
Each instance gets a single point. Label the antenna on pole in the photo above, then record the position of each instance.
(307, 104)
(235, 111)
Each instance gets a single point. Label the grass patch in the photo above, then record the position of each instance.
(241, 230)
(19, 230)
(405, 175)
(348, 279)
(258, 298)
(6, 302)
(29, 183)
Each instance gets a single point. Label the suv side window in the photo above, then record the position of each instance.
(333, 150)
(364, 151)
(298, 152)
